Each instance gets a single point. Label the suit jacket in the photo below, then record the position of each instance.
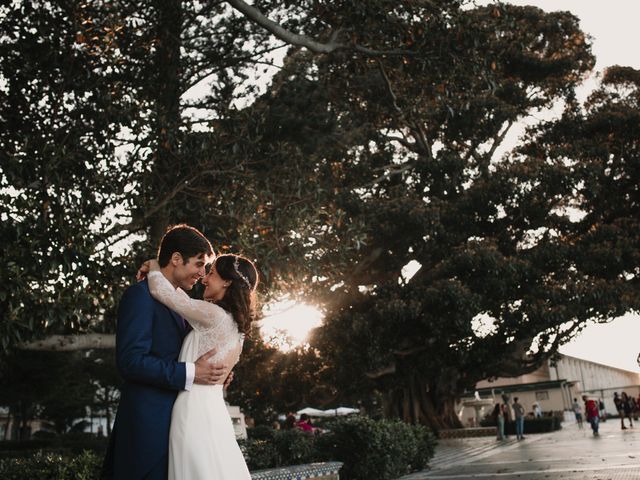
(148, 341)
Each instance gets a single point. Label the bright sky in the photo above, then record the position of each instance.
(613, 27)
(287, 323)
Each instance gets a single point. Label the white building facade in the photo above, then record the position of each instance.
(555, 385)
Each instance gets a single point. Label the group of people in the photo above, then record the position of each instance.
(304, 423)
(502, 415)
(175, 354)
(626, 406)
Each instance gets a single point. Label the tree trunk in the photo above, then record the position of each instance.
(419, 403)
(69, 343)
(167, 100)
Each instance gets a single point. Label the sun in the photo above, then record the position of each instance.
(287, 323)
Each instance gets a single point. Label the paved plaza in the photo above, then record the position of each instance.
(568, 454)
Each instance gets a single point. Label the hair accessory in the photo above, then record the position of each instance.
(236, 267)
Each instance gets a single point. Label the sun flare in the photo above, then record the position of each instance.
(286, 324)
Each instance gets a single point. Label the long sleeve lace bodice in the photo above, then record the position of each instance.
(214, 325)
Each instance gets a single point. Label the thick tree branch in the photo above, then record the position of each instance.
(70, 343)
(277, 30)
(421, 144)
(315, 46)
(402, 141)
(498, 139)
(391, 171)
(382, 372)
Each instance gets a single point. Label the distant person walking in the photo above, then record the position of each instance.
(518, 411)
(619, 402)
(627, 407)
(577, 410)
(498, 414)
(633, 407)
(593, 414)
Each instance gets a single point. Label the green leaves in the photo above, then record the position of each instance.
(336, 175)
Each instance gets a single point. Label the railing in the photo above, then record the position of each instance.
(324, 471)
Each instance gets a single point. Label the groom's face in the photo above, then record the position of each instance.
(186, 275)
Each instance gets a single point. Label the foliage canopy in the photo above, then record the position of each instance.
(336, 174)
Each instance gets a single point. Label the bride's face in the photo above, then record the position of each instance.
(215, 285)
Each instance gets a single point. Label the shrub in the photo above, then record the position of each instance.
(295, 447)
(381, 449)
(531, 425)
(50, 466)
(426, 445)
(259, 454)
(268, 448)
(68, 444)
(261, 432)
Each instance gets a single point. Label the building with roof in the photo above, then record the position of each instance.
(554, 386)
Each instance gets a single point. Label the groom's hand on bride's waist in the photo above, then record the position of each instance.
(210, 373)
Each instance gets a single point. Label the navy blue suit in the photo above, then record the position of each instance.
(148, 341)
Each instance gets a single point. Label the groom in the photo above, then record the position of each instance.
(148, 340)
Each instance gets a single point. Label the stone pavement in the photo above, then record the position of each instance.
(568, 454)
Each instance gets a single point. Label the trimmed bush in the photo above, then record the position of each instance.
(383, 449)
(531, 425)
(50, 466)
(261, 432)
(259, 454)
(268, 448)
(368, 448)
(295, 447)
(380, 449)
(67, 445)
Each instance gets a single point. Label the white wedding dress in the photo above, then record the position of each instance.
(202, 442)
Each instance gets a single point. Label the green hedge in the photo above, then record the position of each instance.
(50, 466)
(531, 425)
(67, 445)
(269, 448)
(382, 449)
(368, 448)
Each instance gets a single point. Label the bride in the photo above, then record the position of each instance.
(202, 441)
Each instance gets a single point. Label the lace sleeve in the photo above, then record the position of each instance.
(201, 315)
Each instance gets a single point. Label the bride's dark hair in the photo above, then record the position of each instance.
(240, 297)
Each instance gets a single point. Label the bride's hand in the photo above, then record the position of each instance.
(145, 268)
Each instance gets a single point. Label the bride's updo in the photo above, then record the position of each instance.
(240, 297)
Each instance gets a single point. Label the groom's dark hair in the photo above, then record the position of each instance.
(184, 239)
